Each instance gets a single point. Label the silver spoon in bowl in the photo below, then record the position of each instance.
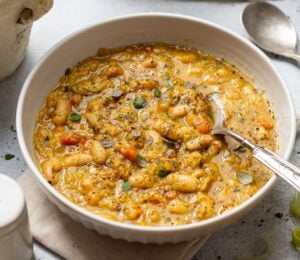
(281, 167)
(270, 29)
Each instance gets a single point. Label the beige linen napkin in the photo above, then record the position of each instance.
(72, 240)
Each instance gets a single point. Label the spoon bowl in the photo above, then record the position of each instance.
(270, 29)
(220, 128)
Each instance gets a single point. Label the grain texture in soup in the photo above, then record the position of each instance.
(126, 134)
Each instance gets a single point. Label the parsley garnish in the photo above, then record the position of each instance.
(9, 156)
(126, 186)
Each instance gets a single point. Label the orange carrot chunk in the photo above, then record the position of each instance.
(69, 139)
(266, 123)
(75, 100)
(130, 153)
(204, 127)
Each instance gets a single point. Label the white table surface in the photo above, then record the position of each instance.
(69, 15)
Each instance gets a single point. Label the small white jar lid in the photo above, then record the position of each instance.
(12, 204)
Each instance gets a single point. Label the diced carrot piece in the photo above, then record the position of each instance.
(69, 139)
(82, 127)
(170, 195)
(75, 100)
(83, 140)
(130, 153)
(266, 123)
(204, 127)
(202, 124)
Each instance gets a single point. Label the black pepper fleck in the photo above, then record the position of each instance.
(12, 128)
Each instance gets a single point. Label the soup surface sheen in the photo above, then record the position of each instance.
(126, 134)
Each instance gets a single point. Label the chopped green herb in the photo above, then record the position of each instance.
(122, 116)
(296, 237)
(141, 161)
(9, 156)
(241, 148)
(210, 113)
(170, 143)
(126, 186)
(157, 161)
(170, 87)
(108, 99)
(157, 92)
(244, 178)
(66, 88)
(163, 173)
(295, 205)
(139, 102)
(74, 117)
(214, 93)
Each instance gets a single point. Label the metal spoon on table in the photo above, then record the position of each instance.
(270, 29)
(281, 167)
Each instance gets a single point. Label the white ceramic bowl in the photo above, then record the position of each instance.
(155, 27)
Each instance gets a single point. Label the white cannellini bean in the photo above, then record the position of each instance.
(178, 207)
(156, 138)
(50, 169)
(78, 159)
(199, 142)
(98, 152)
(182, 182)
(63, 108)
(178, 111)
(154, 147)
(141, 181)
(91, 118)
(149, 63)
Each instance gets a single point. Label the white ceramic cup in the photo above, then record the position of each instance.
(15, 236)
(16, 17)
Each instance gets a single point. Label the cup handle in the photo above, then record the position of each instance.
(33, 10)
(298, 123)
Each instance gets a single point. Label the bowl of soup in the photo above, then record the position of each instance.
(115, 125)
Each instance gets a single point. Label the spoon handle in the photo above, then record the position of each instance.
(293, 56)
(281, 167)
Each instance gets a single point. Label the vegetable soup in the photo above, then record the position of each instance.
(126, 134)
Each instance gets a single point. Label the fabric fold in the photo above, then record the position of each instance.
(71, 240)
